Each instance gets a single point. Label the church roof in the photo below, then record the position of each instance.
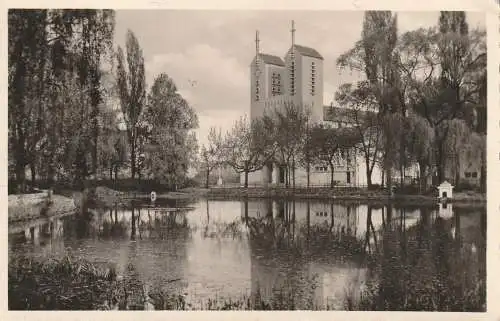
(307, 51)
(331, 113)
(272, 60)
(339, 114)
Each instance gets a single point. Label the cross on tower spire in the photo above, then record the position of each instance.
(257, 42)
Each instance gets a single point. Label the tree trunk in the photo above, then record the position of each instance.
(287, 176)
(383, 178)
(293, 174)
(368, 173)
(246, 178)
(402, 157)
(95, 137)
(423, 177)
(33, 173)
(21, 178)
(132, 154)
(332, 181)
(457, 170)
(440, 163)
(207, 178)
(402, 174)
(369, 179)
(132, 236)
(389, 180)
(111, 172)
(308, 169)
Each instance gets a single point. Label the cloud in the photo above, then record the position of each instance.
(207, 78)
(215, 48)
(220, 119)
(215, 84)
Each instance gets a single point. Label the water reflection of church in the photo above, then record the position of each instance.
(314, 252)
(301, 252)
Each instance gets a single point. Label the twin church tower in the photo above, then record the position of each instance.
(298, 79)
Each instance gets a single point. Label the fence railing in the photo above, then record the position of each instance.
(282, 186)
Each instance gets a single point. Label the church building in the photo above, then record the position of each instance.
(297, 79)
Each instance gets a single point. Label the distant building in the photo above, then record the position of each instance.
(298, 79)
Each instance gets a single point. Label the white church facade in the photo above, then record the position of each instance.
(298, 79)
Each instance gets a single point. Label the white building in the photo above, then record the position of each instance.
(298, 79)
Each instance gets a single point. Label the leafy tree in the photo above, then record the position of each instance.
(478, 147)
(112, 145)
(247, 147)
(332, 146)
(132, 92)
(420, 145)
(49, 52)
(440, 73)
(364, 122)
(457, 142)
(449, 77)
(211, 155)
(285, 126)
(171, 142)
(375, 56)
(306, 156)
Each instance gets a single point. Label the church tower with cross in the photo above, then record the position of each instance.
(297, 79)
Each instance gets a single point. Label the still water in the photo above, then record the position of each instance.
(318, 255)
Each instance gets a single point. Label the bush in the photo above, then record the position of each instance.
(466, 186)
(66, 284)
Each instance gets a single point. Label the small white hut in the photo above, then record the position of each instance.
(445, 190)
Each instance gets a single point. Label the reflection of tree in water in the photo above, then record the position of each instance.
(282, 232)
(142, 223)
(163, 225)
(81, 225)
(284, 250)
(113, 228)
(221, 228)
(425, 267)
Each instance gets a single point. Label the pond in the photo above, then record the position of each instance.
(282, 254)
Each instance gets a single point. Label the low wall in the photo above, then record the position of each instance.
(342, 193)
(24, 207)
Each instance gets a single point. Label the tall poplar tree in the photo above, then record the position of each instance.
(131, 83)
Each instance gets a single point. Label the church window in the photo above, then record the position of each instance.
(257, 90)
(313, 78)
(321, 168)
(276, 84)
(292, 78)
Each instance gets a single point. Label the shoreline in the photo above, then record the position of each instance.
(347, 195)
(29, 207)
(34, 206)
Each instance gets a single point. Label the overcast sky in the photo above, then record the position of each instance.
(215, 48)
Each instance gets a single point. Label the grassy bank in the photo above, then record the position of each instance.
(71, 283)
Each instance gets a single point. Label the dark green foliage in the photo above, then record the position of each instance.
(55, 90)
